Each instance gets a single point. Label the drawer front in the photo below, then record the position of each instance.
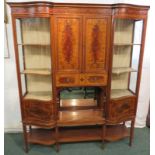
(122, 108)
(67, 80)
(35, 110)
(93, 79)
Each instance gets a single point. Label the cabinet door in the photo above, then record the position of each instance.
(122, 109)
(96, 41)
(68, 43)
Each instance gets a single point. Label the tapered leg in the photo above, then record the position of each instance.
(25, 138)
(124, 123)
(57, 139)
(131, 132)
(103, 136)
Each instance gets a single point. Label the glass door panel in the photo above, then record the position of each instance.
(33, 38)
(126, 53)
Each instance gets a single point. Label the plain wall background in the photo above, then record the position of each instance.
(12, 117)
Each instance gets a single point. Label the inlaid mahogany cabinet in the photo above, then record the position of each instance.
(60, 46)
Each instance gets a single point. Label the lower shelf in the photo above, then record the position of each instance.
(77, 134)
(80, 134)
(42, 136)
(81, 118)
(116, 132)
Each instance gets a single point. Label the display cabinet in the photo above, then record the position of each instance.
(74, 46)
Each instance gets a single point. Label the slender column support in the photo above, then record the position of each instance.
(131, 132)
(25, 138)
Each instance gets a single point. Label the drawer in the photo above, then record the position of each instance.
(93, 79)
(37, 111)
(122, 108)
(67, 80)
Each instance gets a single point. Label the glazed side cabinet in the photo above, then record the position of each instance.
(61, 46)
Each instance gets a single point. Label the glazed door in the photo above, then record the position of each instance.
(126, 61)
(33, 56)
(68, 43)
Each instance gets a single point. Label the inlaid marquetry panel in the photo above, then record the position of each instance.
(96, 41)
(68, 43)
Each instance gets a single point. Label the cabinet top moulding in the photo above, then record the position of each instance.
(46, 3)
(46, 8)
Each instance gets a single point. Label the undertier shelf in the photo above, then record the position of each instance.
(45, 96)
(81, 118)
(120, 70)
(116, 132)
(41, 136)
(37, 71)
(78, 134)
(117, 93)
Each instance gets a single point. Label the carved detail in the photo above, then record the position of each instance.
(95, 42)
(67, 46)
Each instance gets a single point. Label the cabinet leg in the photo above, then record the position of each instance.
(25, 138)
(131, 132)
(57, 139)
(103, 136)
(30, 128)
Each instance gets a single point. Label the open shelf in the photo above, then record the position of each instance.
(24, 44)
(119, 70)
(117, 93)
(81, 118)
(37, 71)
(72, 104)
(116, 132)
(125, 44)
(41, 136)
(45, 96)
(78, 134)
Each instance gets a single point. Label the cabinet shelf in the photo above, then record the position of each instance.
(78, 103)
(81, 118)
(117, 93)
(125, 44)
(45, 96)
(37, 71)
(120, 70)
(34, 44)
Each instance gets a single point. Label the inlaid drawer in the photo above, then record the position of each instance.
(36, 111)
(93, 79)
(67, 80)
(121, 109)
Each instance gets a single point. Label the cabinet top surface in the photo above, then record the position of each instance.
(116, 5)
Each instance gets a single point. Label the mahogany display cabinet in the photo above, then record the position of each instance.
(60, 46)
